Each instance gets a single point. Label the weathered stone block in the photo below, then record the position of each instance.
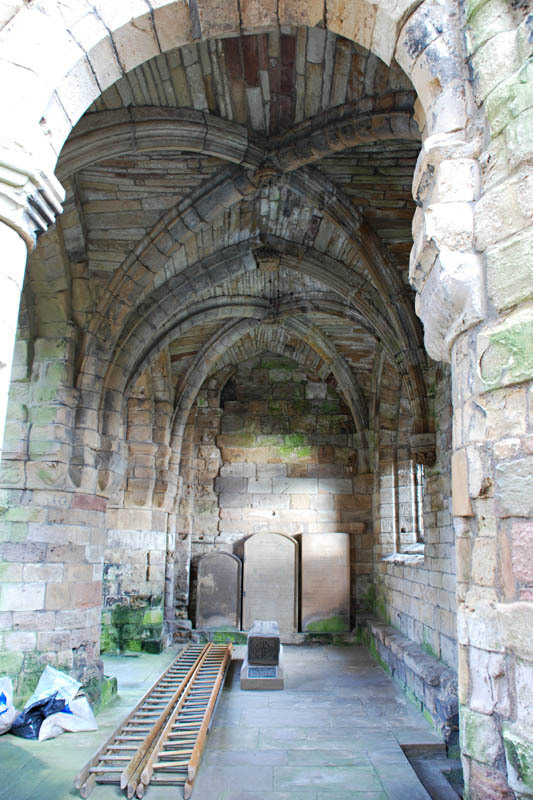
(273, 501)
(295, 486)
(514, 488)
(516, 624)
(231, 485)
(260, 486)
(508, 270)
(22, 641)
(239, 470)
(22, 596)
(59, 596)
(519, 756)
(480, 736)
(460, 497)
(484, 561)
(230, 500)
(522, 551)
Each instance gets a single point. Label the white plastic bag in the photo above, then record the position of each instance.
(8, 712)
(53, 681)
(77, 716)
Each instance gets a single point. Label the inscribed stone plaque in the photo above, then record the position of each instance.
(270, 581)
(218, 594)
(262, 672)
(325, 582)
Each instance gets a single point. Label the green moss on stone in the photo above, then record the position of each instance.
(428, 716)
(266, 440)
(369, 598)
(373, 650)
(278, 363)
(100, 692)
(335, 624)
(519, 754)
(13, 531)
(509, 357)
(153, 616)
(109, 642)
(128, 628)
(294, 453)
(10, 663)
(131, 645)
(223, 636)
(48, 476)
(152, 646)
(28, 678)
(329, 406)
(509, 99)
(294, 439)
(427, 646)
(22, 514)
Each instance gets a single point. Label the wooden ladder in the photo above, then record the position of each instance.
(162, 738)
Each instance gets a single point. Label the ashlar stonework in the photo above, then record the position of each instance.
(266, 272)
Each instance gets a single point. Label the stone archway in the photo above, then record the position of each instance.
(57, 61)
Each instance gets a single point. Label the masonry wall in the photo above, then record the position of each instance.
(416, 588)
(283, 460)
(133, 580)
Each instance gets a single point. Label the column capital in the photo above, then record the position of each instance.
(423, 448)
(30, 198)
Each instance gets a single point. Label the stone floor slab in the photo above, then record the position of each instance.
(327, 735)
(289, 778)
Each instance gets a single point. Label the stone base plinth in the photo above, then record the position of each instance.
(259, 676)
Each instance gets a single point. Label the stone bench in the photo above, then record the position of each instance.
(428, 682)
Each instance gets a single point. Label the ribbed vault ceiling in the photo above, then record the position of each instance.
(324, 247)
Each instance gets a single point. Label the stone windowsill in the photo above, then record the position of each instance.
(412, 555)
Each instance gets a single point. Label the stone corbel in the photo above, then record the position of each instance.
(423, 448)
(30, 199)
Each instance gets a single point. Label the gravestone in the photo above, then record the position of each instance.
(262, 667)
(218, 592)
(325, 582)
(270, 581)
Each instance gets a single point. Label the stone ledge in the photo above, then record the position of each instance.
(429, 683)
(409, 557)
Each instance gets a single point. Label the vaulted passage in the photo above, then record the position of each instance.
(275, 291)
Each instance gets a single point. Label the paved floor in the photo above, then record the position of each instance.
(334, 732)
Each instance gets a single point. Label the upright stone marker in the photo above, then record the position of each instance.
(262, 667)
(218, 594)
(271, 581)
(263, 643)
(325, 582)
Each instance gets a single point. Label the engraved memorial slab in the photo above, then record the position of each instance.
(270, 580)
(325, 582)
(218, 595)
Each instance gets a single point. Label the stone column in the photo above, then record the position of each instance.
(492, 492)
(30, 201)
(12, 265)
